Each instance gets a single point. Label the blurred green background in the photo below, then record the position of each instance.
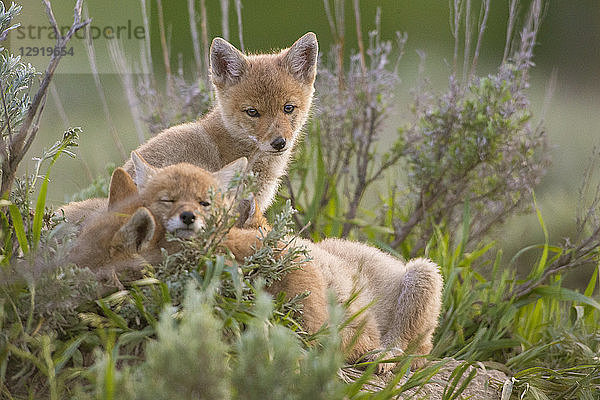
(568, 46)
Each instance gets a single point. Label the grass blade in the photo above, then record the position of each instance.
(542, 263)
(19, 228)
(40, 207)
(562, 293)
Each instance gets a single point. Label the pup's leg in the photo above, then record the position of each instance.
(360, 336)
(314, 307)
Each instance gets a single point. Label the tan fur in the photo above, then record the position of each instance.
(406, 297)
(265, 82)
(79, 212)
(402, 300)
(111, 241)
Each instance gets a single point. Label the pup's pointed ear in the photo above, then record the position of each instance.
(301, 58)
(227, 64)
(121, 188)
(137, 233)
(226, 174)
(143, 170)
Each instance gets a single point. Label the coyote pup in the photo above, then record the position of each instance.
(131, 231)
(262, 103)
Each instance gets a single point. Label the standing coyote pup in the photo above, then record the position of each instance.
(262, 102)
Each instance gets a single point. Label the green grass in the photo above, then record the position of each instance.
(200, 325)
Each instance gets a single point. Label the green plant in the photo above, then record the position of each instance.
(485, 318)
(20, 115)
(474, 143)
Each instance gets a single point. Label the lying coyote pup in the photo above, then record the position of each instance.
(405, 297)
(262, 103)
(131, 232)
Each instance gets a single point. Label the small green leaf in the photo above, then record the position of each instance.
(589, 290)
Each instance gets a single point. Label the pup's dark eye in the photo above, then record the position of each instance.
(253, 112)
(204, 203)
(288, 108)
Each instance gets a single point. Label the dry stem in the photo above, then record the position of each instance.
(195, 37)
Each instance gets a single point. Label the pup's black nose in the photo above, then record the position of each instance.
(187, 217)
(278, 143)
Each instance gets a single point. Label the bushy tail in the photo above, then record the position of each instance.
(418, 307)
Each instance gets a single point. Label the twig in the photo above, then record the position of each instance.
(147, 47)
(336, 25)
(120, 62)
(164, 47)
(204, 27)
(362, 162)
(89, 44)
(570, 259)
(512, 15)
(330, 19)
(359, 38)
(392, 161)
(455, 18)
(4, 156)
(238, 10)
(467, 48)
(401, 232)
(6, 113)
(4, 34)
(483, 16)
(296, 236)
(195, 38)
(59, 106)
(339, 15)
(225, 19)
(52, 19)
(3, 147)
(584, 193)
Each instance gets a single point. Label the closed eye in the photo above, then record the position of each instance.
(166, 200)
(204, 203)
